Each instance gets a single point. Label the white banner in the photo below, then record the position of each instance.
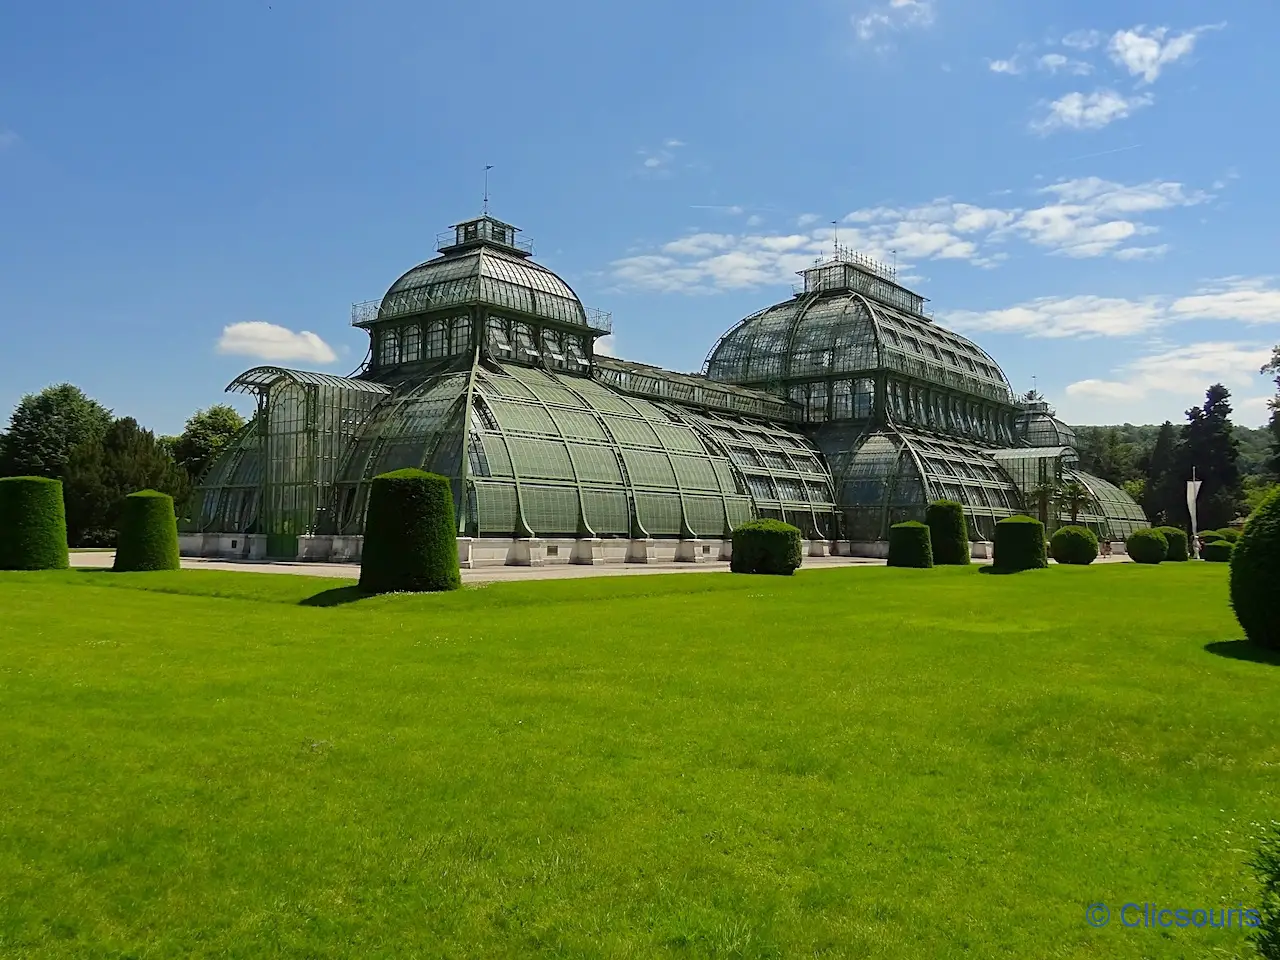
(1193, 491)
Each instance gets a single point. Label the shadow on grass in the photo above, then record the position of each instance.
(1244, 650)
(335, 597)
(995, 571)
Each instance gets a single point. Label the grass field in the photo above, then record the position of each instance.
(857, 762)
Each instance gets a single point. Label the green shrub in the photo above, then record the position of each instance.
(410, 537)
(1210, 535)
(1072, 544)
(948, 533)
(1266, 868)
(1019, 545)
(148, 533)
(910, 545)
(1218, 551)
(1147, 546)
(1230, 534)
(766, 546)
(33, 524)
(1176, 538)
(1255, 571)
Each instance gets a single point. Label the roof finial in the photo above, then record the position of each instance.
(487, 168)
(835, 236)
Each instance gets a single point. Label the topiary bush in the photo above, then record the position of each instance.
(148, 533)
(1218, 551)
(1209, 535)
(1266, 869)
(910, 545)
(1074, 545)
(948, 532)
(1230, 534)
(33, 524)
(410, 537)
(1255, 570)
(766, 546)
(1019, 545)
(1176, 538)
(1147, 546)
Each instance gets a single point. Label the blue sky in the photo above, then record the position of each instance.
(1086, 189)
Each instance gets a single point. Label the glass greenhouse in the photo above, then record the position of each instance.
(842, 410)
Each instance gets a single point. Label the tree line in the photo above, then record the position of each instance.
(66, 435)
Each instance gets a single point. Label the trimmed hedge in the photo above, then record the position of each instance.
(1210, 535)
(1218, 551)
(1230, 534)
(1147, 546)
(410, 537)
(766, 546)
(1255, 569)
(33, 524)
(1176, 538)
(1019, 545)
(948, 533)
(148, 537)
(1074, 545)
(910, 545)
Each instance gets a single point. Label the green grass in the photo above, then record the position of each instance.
(857, 762)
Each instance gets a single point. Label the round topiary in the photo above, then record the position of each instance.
(1255, 568)
(1230, 534)
(1210, 535)
(410, 538)
(948, 532)
(148, 533)
(33, 524)
(1147, 546)
(1176, 538)
(1074, 545)
(910, 545)
(1019, 545)
(1218, 551)
(766, 546)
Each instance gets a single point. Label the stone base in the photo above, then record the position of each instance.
(982, 550)
(526, 553)
(690, 551)
(818, 548)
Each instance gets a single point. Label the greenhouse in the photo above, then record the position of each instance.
(842, 410)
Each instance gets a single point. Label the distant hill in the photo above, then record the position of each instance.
(1118, 452)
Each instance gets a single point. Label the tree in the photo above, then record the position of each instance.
(100, 473)
(1042, 495)
(1162, 492)
(46, 426)
(1136, 488)
(1210, 449)
(205, 435)
(1074, 496)
(1273, 425)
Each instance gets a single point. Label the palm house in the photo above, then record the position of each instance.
(843, 410)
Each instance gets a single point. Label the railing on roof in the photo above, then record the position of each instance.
(599, 320)
(365, 312)
(448, 239)
(692, 390)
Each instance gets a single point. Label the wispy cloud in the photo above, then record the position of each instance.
(1080, 218)
(1247, 300)
(658, 161)
(1057, 63)
(1172, 370)
(268, 341)
(1082, 39)
(1089, 111)
(1011, 66)
(1146, 52)
(892, 16)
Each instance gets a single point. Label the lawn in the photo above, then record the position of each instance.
(849, 762)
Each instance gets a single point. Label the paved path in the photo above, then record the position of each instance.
(555, 571)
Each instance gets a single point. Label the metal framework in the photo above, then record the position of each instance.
(843, 410)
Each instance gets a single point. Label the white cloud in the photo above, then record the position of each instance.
(1249, 300)
(1010, 66)
(1060, 317)
(267, 341)
(1056, 62)
(1233, 298)
(1085, 217)
(657, 161)
(673, 144)
(894, 15)
(1146, 52)
(1089, 111)
(1175, 370)
(607, 346)
(1082, 39)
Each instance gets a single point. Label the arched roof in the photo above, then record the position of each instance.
(484, 274)
(810, 336)
(261, 378)
(1040, 428)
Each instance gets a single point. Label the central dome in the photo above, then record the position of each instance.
(482, 262)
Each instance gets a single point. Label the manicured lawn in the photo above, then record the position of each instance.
(861, 762)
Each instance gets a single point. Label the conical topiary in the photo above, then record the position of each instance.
(948, 532)
(1019, 545)
(33, 524)
(148, 533)
(410, 538)
(909, 545)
